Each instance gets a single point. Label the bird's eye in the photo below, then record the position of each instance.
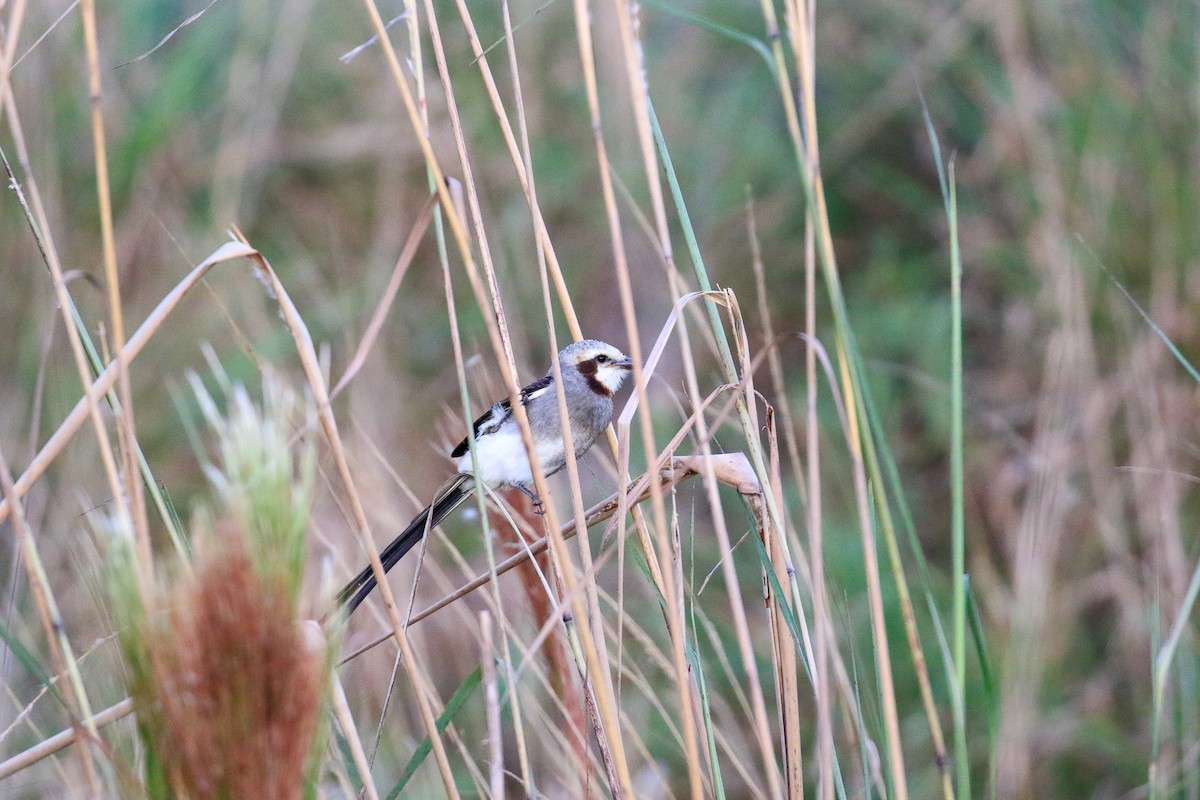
(601, 359)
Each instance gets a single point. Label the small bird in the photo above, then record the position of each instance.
(591, 372)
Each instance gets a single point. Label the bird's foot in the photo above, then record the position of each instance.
(538, 507)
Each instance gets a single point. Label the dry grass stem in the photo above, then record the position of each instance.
(53, 628)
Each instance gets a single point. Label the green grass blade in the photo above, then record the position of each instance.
(343, 746)
(1145, 315)
(757, 45)
(784, 605)
(29, 662)
(860, 723)
(457, 700)
(948, 186)
(957, 523)
(1155, 707)
(710, 738)
(991, 690)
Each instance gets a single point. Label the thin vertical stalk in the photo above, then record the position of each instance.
(808, 486)
(495, 734)
(747, 413)
(958, 691)
(128, 434)
(957, 524)
(883, 663)
(741, 624)
(784, 648)
(816, 538)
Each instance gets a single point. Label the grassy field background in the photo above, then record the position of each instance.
(1062, 181)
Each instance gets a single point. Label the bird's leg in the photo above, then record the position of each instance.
(537, 501)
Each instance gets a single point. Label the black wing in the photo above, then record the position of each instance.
(495, 416)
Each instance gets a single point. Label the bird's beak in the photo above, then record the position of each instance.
(624, 363)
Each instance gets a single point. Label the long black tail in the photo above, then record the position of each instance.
(458, 489)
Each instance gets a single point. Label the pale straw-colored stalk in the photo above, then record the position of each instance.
(134, 502)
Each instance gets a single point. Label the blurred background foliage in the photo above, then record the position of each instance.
(1073, 127)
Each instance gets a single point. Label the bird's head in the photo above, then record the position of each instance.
(602, 365)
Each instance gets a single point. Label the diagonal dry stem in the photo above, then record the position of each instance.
(316, 381)
(56, 636)
(341, 710)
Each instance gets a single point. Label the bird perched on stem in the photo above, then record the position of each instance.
(591, 372)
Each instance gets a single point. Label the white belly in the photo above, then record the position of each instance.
(502, 458)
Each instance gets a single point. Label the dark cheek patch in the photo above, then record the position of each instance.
(588, 370)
